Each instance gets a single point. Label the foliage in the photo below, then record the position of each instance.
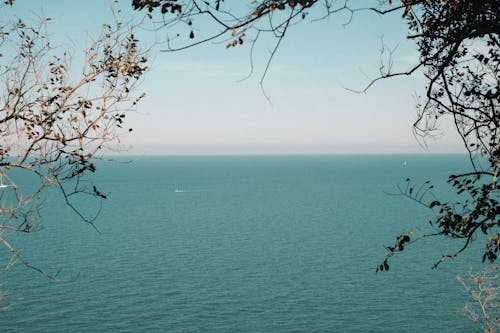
(459, 48)
(57, 114)
(458, 44)
(484, 290)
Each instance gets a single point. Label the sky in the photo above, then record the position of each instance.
(198, 103)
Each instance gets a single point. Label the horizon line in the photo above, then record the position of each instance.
(279, 149)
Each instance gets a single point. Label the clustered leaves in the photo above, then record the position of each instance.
(230, 23)
(165, 6)
(476, 209)
(401, 241)
(459, 47)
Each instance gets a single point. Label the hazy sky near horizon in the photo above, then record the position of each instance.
(197, 103)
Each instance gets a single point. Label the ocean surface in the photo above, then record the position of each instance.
(243, 244)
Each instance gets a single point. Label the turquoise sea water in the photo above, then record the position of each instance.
(242, 244)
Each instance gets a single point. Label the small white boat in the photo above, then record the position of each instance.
(2, 185)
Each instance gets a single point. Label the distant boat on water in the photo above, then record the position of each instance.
(2, 185)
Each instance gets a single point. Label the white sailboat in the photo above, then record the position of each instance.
(2, 185)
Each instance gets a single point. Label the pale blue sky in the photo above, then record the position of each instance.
(195, 104)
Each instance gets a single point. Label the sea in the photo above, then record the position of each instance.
(244, 244)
